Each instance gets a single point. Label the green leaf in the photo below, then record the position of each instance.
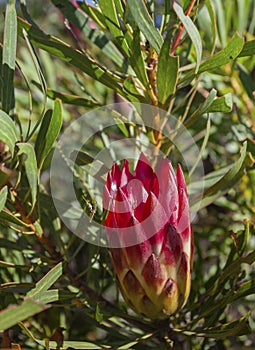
(231, 269)
(12, 315)
(192, 32)
(229, 53)
(30, 167)
(8, 217)
(48, 133)
(52, 295)
(131, 343)
(9, 57)
(75, 345)
(82, 21)
(248, 49)
(94, 14)
(8, 133)
(137, 60)
(109, 10)
(122, 126)
(246, 80)
(221, 21)
(222, 104)
(232, 329)
(167, 73)
(12, 265)
(211, 306)
(69, 98)
(15, 287)
(227, 180)
(3, 197)
(41, 78)
(99, 315)
(66, 344)
(211, 12)
(202, 109)
(206, 138)
(145, 23)
(46, 282)
(76, 58)
(225, 183)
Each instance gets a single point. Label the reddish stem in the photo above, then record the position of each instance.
(179, 34)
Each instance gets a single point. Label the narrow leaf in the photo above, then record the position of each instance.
(48, 133)
(41, 78)
(111, 19)
(52, 295)
(221, 21)
(69, 98)
(12, 315)
(8, 217)
(83, 22)
(206, 138)
(229, 53)
(227, 181)
(75, 345)
(248, 49)
(8, 133)
(202, 109)
(222, 104)
(145, 23)
(137, 60)
(46, 282)
(167, 73)
(211, 12)
(3, 197)
(30, 167)
(74, 57)
(192, 32)
(9, 56)
(233, 329)
(99, 316)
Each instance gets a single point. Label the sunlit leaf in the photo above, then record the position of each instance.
(167, 73)
(144, 21)
(211, 12)
(74, 57)
(192, 32)
(222, 104)
(97, 37)
(109, 10)
(228, 54)
(137, 60)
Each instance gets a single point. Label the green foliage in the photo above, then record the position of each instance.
(193, 59)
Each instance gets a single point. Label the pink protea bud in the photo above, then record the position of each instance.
(150, 237)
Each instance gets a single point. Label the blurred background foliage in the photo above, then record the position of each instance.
(56, 290)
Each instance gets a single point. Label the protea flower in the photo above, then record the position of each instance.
(149, 234)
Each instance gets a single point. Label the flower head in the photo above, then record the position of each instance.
(149, 233)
